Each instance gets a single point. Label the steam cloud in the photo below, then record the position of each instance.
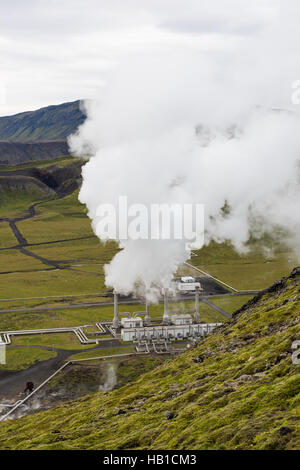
(110, 378)
(191, 127)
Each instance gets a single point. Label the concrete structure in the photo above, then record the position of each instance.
(2, 351)
(175, 332)
(174, 327)
(132, 322)
(197, 314)
(147, 319)
(184, 319)
(116, 322)
(166, 318)
(187, 285)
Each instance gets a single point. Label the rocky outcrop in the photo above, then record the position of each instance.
(24, 183)
(50, 180)
(14, 153)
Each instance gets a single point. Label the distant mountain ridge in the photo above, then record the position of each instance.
(54, 122)
(40, 134)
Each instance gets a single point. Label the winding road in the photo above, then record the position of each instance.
(23, 244)
(31, 212)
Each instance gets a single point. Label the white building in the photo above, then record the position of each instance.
(184, 319)
(131, 322)
(169, 332)
(188, 284)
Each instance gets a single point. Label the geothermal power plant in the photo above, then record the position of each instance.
(138, 328)
(157, 335)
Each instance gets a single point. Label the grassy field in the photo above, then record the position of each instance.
(102, 353)
(17, 359)
(54, 282)
(13, 261)
(58, 162)
(67, 214)
(231, 304)
(252, 271)
(13, 203)
(47, 302)
(85, 251)
(53, 340)
(7, 238)
(79, 316)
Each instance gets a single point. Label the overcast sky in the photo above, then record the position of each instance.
(53, 51)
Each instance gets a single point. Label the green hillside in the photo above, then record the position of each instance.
(50, 123)
(237, 389)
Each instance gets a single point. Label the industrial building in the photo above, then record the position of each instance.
(187, 284)
(170, 332)
(137, 327)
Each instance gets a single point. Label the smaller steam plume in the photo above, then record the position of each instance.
(110, 380)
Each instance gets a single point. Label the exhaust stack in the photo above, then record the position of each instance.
(116, 313)
(147, 319)
(197, 314)
(166, 318)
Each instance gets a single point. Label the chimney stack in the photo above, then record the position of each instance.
(166, 318)
(116, 313)
(147, 319)
(197, 314)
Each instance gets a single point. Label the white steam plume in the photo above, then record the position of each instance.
(190, 128)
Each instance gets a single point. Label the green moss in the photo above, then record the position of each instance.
(55, 340)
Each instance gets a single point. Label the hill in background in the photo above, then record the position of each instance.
(38, 135)
(51, 123)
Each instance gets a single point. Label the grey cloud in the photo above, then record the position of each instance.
(59, 50)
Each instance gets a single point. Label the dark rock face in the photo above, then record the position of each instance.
(63, 180)
(198, 359)
(49, 180)
(24, 183)
(284, 431)
(14, 153)
(119, 412)
(168, 414)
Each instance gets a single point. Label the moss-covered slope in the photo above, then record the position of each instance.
(238, 389)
